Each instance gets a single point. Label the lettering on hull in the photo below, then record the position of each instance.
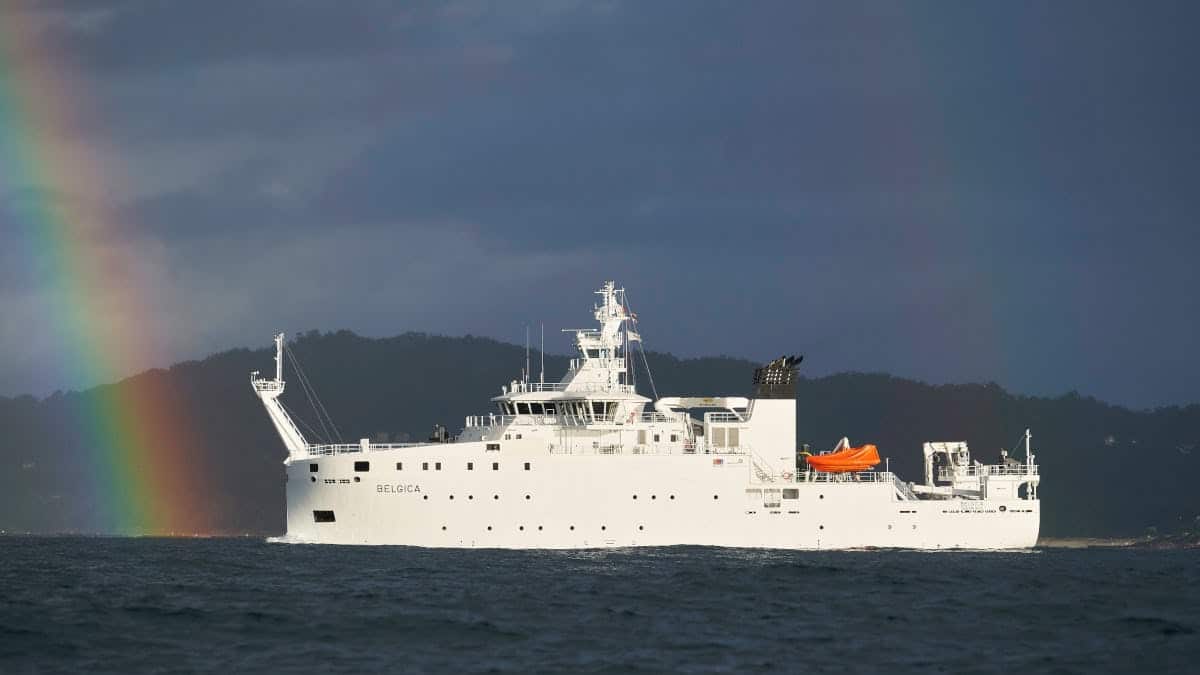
(397, 488)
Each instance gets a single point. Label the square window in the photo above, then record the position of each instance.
(470, 466)
(312, 468)
(362, 466)
(674, 438)
(437, 466)
(493, 446)
(791, 493)
(424, 466)
(526, 466)
(495, 466)
(399, 466)
(655, 438)
(518, 437)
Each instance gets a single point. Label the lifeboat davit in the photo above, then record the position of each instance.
(849, 459)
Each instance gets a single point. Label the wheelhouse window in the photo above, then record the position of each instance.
(550, 408)
(536, 409)
(522, 408)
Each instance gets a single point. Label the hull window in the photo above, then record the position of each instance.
(362, 466)
(312, 468)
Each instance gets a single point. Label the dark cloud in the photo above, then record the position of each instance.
(966, 192)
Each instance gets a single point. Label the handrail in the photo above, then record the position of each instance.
(974, 470)
(580, 387)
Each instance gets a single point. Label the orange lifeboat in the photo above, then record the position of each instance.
(849, 459)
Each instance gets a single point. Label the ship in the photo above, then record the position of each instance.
(587, 462)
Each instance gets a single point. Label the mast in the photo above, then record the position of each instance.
(269, 392)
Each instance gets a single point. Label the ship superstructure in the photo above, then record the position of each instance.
(588, 462)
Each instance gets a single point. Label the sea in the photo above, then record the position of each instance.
(133, 605)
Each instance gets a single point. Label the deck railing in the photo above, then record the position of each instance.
(581, 387)
(345, 448)
(974, 470)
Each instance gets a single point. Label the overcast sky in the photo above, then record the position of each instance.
(948, 191)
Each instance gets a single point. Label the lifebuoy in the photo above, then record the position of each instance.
(787, 475)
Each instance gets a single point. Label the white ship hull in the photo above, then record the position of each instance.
(595, 501)
(587, 462)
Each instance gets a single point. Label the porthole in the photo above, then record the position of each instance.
(641, 527)
(714, 496)
(526, 497)
(489, 528)
(495, 496)
(469, 497)
(521, 528)
(820, 527)
(425, 497)
(635, 496)
(357, 479)
(602, 528)
(539, 528)
(451, 497)
(572, 528)
(653, 496)
(820, 496)
(1003, 509)
(672, 496)
(313, 478)
(443, 528)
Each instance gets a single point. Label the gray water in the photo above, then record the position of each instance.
(171, 605)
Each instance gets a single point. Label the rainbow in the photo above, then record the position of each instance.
(136, 437)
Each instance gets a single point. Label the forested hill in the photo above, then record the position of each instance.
(1107, 470)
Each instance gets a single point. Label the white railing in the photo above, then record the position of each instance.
(565, 419)
(723, 417)
(580, 387)
(267, 385)
(346, 448)
(974, 470)
(846, 477)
